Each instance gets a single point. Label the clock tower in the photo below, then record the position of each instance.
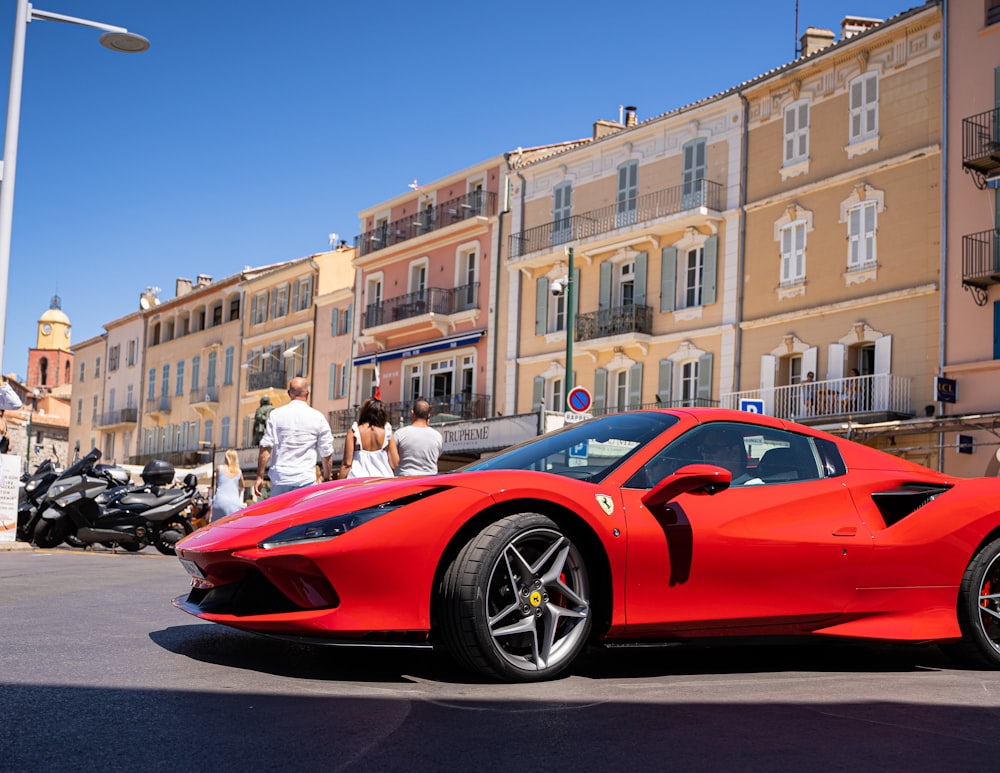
(50, 363)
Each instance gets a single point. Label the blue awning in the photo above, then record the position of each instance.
(413, 351)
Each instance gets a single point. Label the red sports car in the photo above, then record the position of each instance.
(646, 526)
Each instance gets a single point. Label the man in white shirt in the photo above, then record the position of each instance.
(296, 436)
(419, 443)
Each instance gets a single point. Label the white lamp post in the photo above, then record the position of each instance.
(115, 38)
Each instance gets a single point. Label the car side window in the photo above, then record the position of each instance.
(754, 455)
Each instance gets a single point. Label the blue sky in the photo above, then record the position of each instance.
(251, 130)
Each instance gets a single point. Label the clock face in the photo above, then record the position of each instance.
(46, 328)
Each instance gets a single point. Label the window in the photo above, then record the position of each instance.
(864, 108)
(796, 135)
(628, 193)
(302, 294)
(554, 395)
(626, 283)
(466, 291)
(179, 380)
(992, 12)
(209, 426)
(258, 309)
(210, 381)
(151, 393)
(234, 308)
(165, 381)
(418, 278)
(793, 252)
(557, 312)
(279, 301)
(83, 372)
(97, 367)
(692, 278)
(331, 390)
(79, 411)
(224, 440)
(861, 226)
(562, 211)
(195, 371)
(93, 411)
(689, 383)
(114, 355)
(133, 347)
(373, 297)
(693, 174)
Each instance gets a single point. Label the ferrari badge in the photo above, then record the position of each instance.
(607, 503)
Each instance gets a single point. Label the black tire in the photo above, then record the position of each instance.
(979, 610)
(48, 534)
(74, 542)
(516, 601)
(131, 547)
(166, 546)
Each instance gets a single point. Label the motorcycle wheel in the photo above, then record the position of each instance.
(131, 547)
(181, 525)
(48, 534)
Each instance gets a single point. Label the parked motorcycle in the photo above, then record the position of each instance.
(76, 488)
(127, 516)
(30, 492)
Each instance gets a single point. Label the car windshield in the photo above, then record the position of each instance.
(589, 450)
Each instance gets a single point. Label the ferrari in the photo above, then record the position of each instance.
(634, 528)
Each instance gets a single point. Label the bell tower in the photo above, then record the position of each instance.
(50, 363)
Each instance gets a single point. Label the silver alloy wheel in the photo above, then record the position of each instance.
(537, 600)
(989, 603)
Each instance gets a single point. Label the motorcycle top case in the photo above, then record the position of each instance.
(158, 473)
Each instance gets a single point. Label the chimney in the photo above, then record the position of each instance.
(630, 119)
(602, 128)
(814, 39)
(855, 25)
(203, 280)
(182, 287)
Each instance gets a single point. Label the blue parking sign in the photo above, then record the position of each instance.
(579, 451)
(752, 406)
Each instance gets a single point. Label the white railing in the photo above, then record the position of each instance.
(853, 395)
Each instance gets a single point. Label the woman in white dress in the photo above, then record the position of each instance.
(228, 487)
(370, 449)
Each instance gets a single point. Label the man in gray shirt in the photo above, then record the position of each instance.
(419, 443)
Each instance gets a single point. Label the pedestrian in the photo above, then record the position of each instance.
(296, 435)
(260, 419)
(9, 400)
(228, 497)
(808, 389)
(419, 443)
(370, 448)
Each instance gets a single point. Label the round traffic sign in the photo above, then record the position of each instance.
(578, 400)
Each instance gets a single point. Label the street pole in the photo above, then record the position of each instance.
(570, 325)
(114, 38)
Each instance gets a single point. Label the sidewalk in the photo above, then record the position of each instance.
(6, 546)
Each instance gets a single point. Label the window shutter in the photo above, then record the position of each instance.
(640, 278)
(710, 275)
(541, 306)
(668, 277)
(349, 316)
(666, 382)
(537, 391)
(334, 322)
(331, 392)
(768, 369)
(705, 379)
(253, 310)
(835, 361)
(883, 354)
(809, 358)
(604, 300)
(635, 386)
(600, 390)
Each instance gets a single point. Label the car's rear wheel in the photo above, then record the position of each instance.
(979, 609)
(516, 600)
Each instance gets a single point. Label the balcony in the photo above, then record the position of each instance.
(878, 397)
(432, 300)
(981, 263)
(694, 402)
(616, 321)
(158, 405)
(207, 394)
(121, 416)
(267, 379)
(474, 204)
(981, 145)
(642, 209)
(460, 407)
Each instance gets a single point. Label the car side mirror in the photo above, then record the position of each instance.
(699, 479)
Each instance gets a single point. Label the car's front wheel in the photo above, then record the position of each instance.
(516, 600)
(979, 609)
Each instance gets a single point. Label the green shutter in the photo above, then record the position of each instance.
(604, 299)
(537, 392)
(541, 305)
(666, 383)
(668, 278)
(635, 386)
(334, 319)
(600, 390)
(705, 379)
(640, 279)
(710, 275)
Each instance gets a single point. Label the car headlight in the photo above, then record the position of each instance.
(325, 529)
(336, 525)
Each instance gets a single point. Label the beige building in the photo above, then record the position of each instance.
(971, 430)
(86, 402)
(841, 274)
(648, 214)
(332, 376)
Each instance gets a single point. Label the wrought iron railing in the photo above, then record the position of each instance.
(981, 262)
(981, 143)
(853, 395)
(266, 379)
(473, 204)
(157, 405)
(459, 407)
(121, 416)
(431, 300)
(641, 209)
(207, 394)
(615, 321)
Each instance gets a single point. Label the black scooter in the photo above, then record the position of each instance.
(126, 516)
(76, 488)
(30, 493)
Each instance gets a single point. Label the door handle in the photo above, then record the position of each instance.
(846, 531)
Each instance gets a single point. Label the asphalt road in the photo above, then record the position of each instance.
(99, 672)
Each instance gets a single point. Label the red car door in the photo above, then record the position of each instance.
(751, 557)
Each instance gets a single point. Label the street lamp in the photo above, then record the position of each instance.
(114, 38)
